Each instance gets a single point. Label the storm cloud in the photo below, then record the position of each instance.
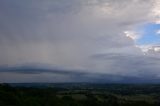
(85, 36)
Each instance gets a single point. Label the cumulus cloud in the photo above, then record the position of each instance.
(68, 34)
(158, 32)
(156, 11)
(132, 35)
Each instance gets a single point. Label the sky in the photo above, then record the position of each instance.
(80, 41)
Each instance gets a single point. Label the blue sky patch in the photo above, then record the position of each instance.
(150, 35)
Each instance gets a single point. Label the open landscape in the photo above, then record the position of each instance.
(79, 94)
(79, 52)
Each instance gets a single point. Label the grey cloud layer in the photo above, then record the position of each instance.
(70, 33)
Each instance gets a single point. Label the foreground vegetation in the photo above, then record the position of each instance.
(88, 95)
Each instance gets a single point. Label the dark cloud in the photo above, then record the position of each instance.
(85, 36)
(38, 70)
(129, 64)
(68, 76)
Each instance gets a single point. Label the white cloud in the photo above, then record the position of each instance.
(158, 32)
(150, 50)
(156, 11)
(132, 35)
